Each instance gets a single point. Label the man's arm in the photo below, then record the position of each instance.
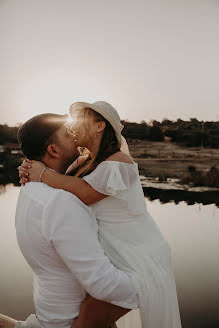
(69, 226)
(98, 314)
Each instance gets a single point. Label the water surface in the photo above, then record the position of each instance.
(192, 232)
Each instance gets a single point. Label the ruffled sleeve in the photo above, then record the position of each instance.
(112, 178)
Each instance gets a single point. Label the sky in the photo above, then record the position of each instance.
(150, 59)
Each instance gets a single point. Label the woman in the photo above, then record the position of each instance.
(108, 180)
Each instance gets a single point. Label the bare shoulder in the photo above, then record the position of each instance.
(120, 157)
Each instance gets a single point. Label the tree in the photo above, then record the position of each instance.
(156, 134)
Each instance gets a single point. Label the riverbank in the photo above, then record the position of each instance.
(170, 160)
(163, 162)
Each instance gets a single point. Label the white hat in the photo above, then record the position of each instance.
(104, 109)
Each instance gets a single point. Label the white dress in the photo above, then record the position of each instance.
(134, 243)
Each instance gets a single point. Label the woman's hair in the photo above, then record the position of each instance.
(109, 145)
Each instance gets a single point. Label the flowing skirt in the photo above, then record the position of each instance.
(149, 264)
(130, 320)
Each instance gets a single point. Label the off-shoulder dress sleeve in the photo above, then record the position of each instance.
(120, 180)
(112, 177)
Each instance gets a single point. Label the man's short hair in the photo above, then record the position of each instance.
(36, 134)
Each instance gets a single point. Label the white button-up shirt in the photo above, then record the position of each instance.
(58, 236)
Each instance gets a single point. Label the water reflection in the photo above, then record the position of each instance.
(192, 232)
(16, 276)
(165, 196)
(176, 196)
(9, 162)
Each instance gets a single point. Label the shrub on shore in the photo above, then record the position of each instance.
(201, 179)
(192, 133)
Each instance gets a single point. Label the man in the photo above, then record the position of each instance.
(58, 236)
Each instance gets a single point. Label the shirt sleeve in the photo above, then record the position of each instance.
(70, 226)
(112, 178)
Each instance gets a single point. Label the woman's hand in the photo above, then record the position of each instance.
(23, 171)
(30, 171)
(35, 171)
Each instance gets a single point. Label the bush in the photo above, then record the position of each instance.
(201, 179)
(156, 134)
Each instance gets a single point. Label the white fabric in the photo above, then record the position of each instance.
(124, 146)
(58, 236)
(31, 322)
(134, 243)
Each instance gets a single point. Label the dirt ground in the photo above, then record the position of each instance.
(159, 159)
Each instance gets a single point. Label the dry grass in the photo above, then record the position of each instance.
(159, 159)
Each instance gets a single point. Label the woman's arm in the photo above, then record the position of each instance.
(77, 186)
(31, 171)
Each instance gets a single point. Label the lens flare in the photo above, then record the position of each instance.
(70, 126)
(70, 120)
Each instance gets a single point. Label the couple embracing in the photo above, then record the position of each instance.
(83, 226)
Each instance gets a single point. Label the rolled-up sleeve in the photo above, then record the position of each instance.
(70, 226)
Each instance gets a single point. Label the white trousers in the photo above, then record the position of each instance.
(33, 322)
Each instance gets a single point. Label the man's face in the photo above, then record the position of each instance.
(66, 146)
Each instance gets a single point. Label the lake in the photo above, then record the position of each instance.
(192, 232)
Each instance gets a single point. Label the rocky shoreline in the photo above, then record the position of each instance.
(171, 191)
(172, 184)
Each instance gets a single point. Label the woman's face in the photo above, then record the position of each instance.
(83, 127)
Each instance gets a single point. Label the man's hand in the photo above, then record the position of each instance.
(6, 322)
(98, 314)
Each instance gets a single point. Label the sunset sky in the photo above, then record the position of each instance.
(150, 59)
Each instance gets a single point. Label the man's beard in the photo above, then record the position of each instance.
(68, 160)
